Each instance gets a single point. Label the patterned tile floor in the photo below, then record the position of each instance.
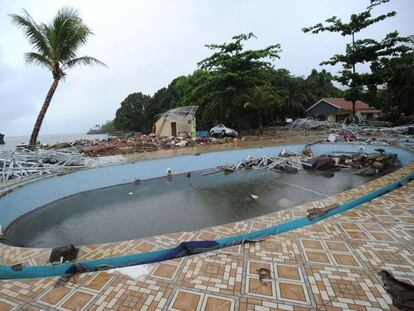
(331, 265)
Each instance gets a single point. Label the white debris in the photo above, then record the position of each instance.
(332, 137)
(24, 162)
(311, 124)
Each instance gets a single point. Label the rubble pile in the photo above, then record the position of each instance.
(368, 164)
(286, 161)
(311, 124)
(142, 143)
(369, 135)
(377, 131)
(365, 164)
(24, 162)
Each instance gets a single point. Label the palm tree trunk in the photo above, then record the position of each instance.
(41, 116)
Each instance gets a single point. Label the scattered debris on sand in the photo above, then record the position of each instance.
(357, 133)
(312, 124)
(136, 143)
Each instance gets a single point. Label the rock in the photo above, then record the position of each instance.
(2, 139)
(64, 253)
(322, 163)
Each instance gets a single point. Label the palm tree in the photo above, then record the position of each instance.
(293, 99)
(261, 100)
(54, 46)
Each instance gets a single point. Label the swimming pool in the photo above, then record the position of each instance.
(162, 201)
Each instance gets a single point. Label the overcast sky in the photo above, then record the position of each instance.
(146, 44)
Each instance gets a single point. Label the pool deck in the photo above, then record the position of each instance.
(331, 265)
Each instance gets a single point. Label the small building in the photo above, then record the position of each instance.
(177, 122)
(337, 109)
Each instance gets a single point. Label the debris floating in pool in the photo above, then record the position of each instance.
(365, 164)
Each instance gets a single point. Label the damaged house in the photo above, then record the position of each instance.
(337, 109)
(177, 122)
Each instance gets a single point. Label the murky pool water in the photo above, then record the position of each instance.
(164, 205)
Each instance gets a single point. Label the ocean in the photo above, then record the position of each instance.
(12, 142)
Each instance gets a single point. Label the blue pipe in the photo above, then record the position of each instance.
(49, 270)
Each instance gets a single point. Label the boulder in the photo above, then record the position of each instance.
(322, 163)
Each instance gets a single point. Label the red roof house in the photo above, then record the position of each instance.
(337, 109)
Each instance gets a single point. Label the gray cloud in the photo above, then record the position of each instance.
(148, 43)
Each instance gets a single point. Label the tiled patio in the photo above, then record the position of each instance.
(331, 265)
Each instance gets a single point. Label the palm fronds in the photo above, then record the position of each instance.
(55, 45)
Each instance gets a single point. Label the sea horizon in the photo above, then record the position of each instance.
(12, 141)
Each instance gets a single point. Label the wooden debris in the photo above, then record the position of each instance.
(316, 212)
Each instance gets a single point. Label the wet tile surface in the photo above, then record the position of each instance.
(331, 265)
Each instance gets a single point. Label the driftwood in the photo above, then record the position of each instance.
(316, 212)
(402, 293)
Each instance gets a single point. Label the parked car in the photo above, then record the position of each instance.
(222, 131)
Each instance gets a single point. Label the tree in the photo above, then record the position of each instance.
(319, 85)
(132, 115)
(234, 86)
(232, 72)
(261, 99)
(54, 46)
(356, 52)
(108, 126)
(392, 80)
(294, 97)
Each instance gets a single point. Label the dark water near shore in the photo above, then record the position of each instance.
(162, 205)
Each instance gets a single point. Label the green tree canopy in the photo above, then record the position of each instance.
(132, 115)
(357, 51)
